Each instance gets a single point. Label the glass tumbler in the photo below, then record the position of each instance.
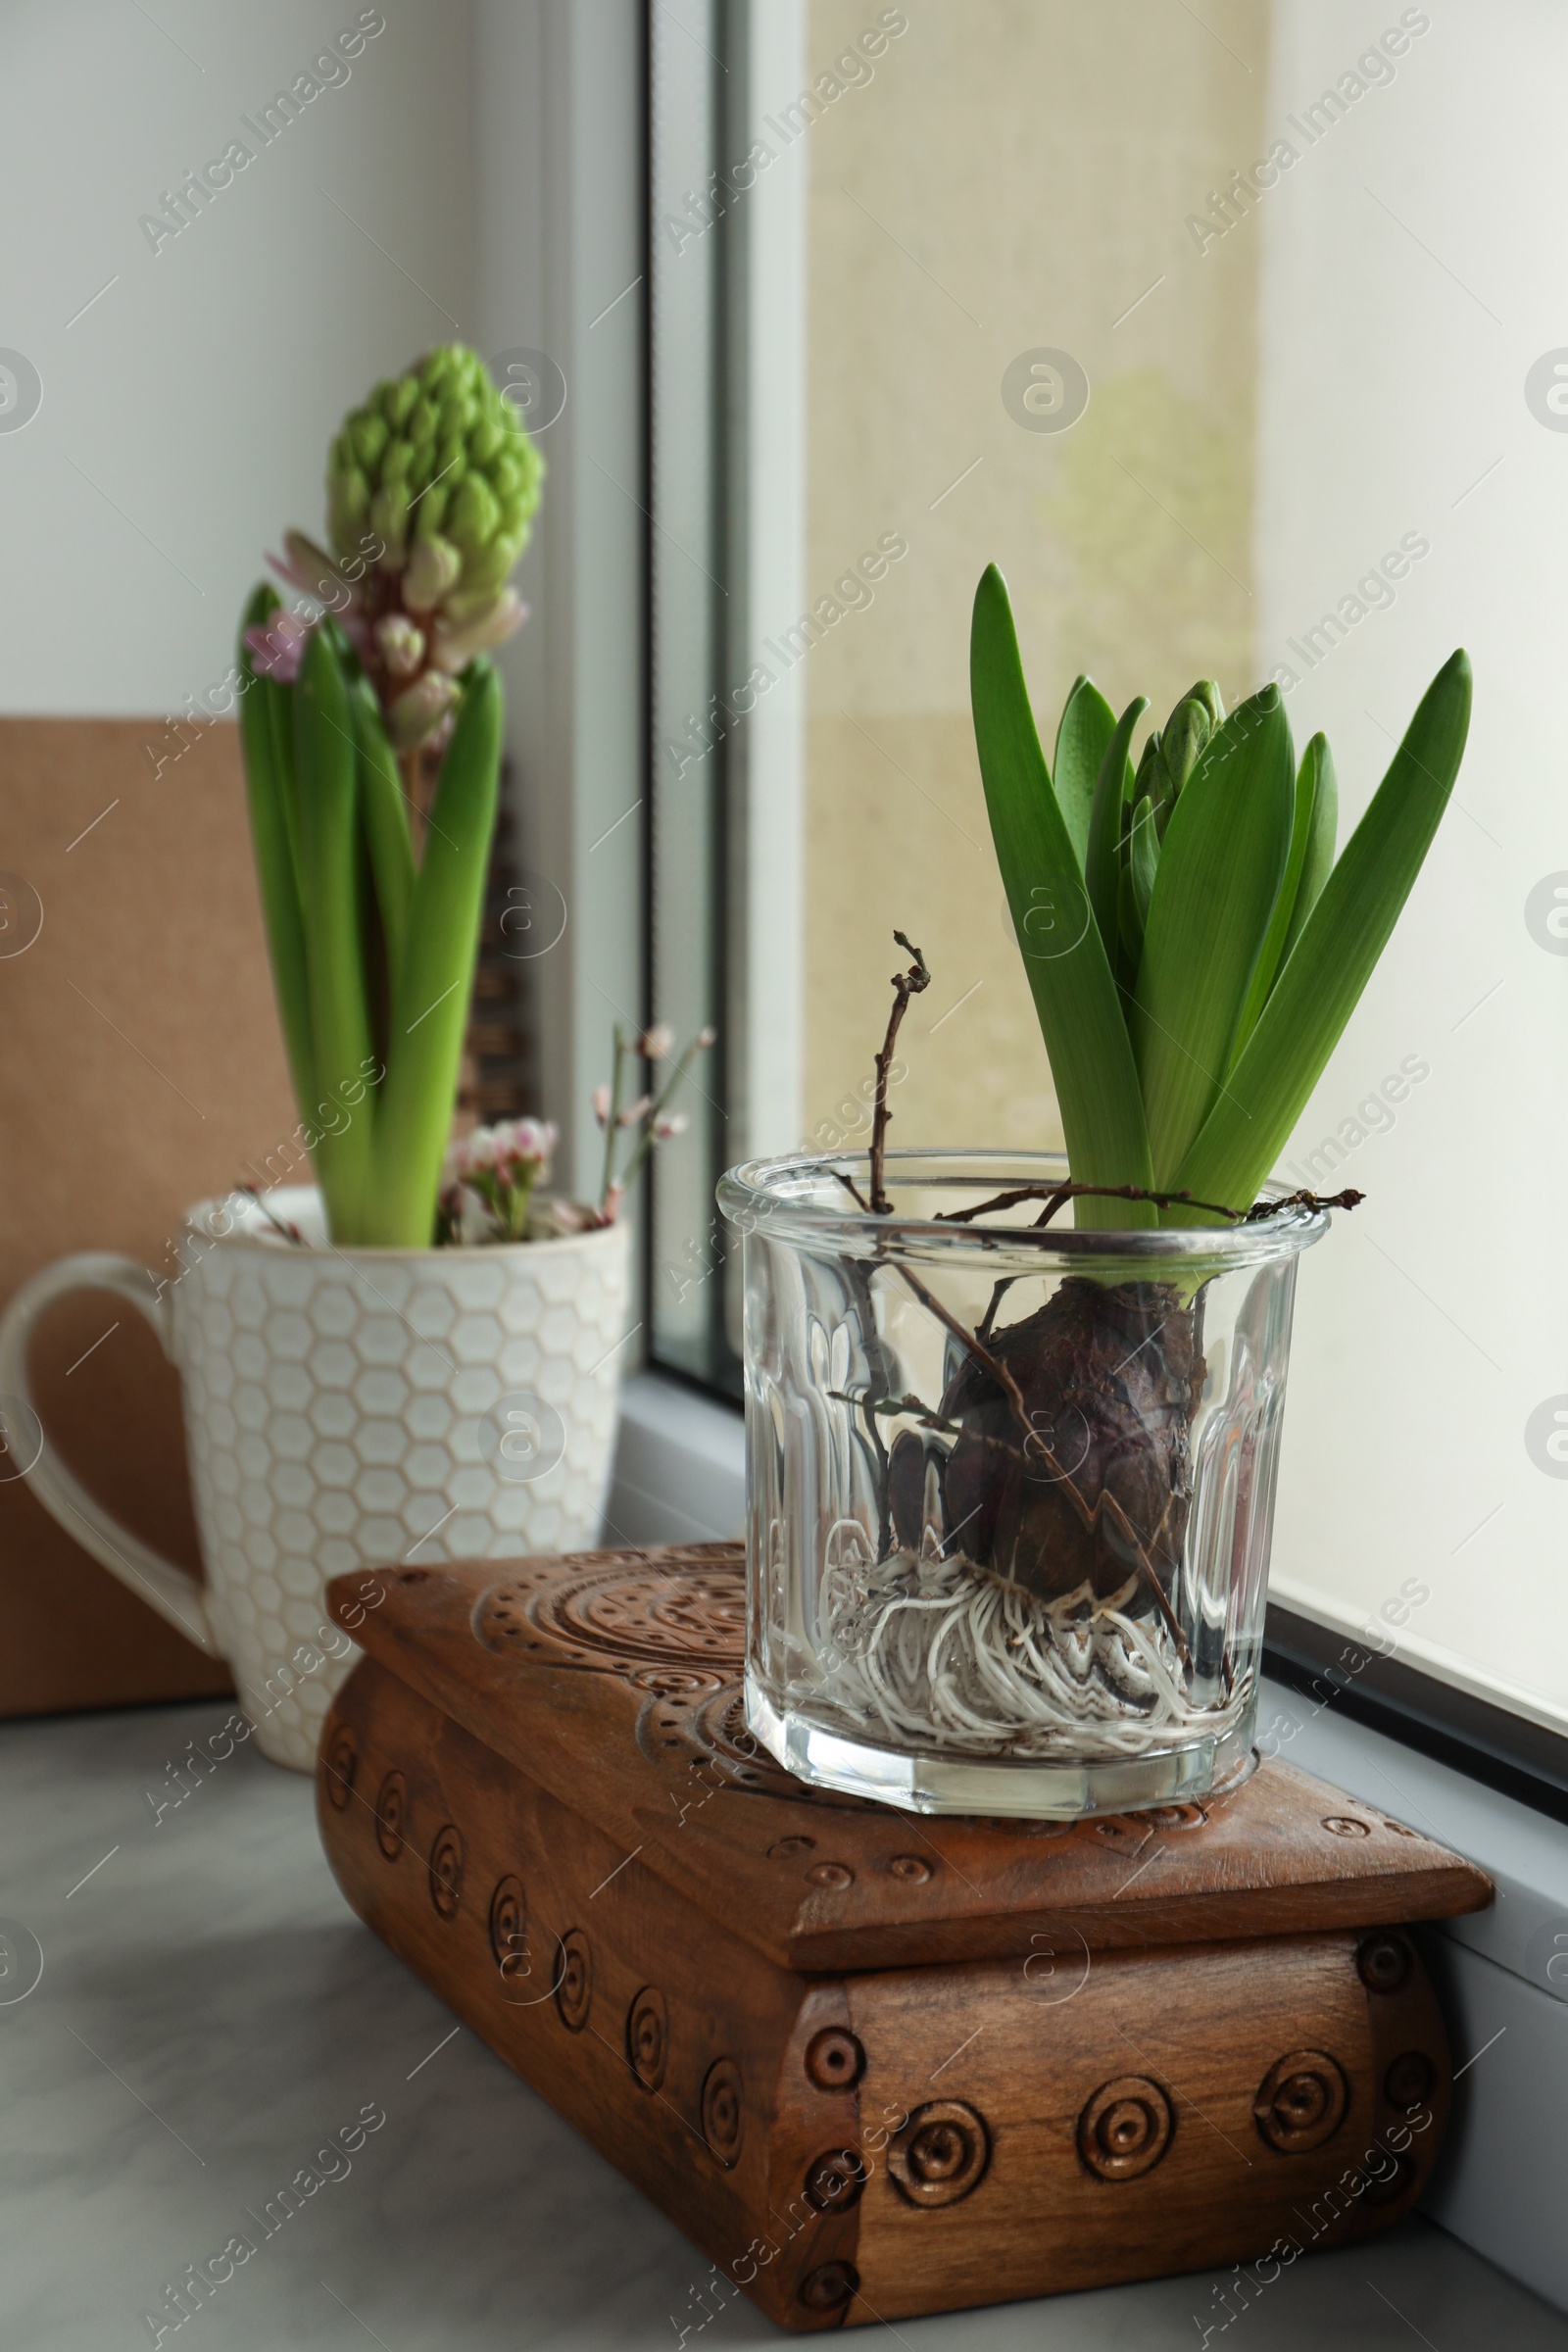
(1010, 1488)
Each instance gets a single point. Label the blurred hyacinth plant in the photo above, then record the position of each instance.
(375, 674)
(1193, 946)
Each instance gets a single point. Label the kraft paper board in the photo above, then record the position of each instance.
(140, 1069)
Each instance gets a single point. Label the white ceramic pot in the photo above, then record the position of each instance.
(345, 1408)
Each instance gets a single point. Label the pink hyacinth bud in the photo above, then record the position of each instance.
(668, 1123)
(602, 1104)
(658, 1042)
(635, 1111)
(277, 645)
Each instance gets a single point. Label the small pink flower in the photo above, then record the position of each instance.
(601, 1104)
(635, 1111)
(658, 1042)
(526, 1140)
(668, 1123)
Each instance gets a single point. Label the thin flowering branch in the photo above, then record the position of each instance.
(609, 1117)
(649, 1115)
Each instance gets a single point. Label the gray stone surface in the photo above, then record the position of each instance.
(209, 2013)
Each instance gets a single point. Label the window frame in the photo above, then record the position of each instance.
(761, 759)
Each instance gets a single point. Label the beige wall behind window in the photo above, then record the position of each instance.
(1015, 174)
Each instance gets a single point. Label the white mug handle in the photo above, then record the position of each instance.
(169, 1590)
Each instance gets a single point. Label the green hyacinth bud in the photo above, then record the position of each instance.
(1180, 746)
(435, 568)
(437, 458)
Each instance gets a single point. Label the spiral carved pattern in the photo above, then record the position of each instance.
(648, 2036)
(509, 1924)
(1302, 2101)
(574, 1981)
(941, 2154)
(446, 1871)
(391, 1810)
(340, 1761)
(1125, 2129)
(724, 2110)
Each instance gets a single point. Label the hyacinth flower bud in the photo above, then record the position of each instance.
(658, 1042)
(309, 568)
(433, 569)
(399, 643)
(492, 625)
(389, 520)
(420, 710)
(437, 459)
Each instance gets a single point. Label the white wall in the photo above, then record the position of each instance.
(1414, 270)
(476, 175)
(185, 415)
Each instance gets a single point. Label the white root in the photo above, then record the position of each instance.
(947, 1655)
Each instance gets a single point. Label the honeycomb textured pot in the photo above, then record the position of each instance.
(353, 1409)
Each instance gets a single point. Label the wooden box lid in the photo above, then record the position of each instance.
(612, 1680)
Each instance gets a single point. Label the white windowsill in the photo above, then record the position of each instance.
(680, 1466)
(680, 1476)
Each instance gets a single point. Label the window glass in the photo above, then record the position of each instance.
(1229, 335)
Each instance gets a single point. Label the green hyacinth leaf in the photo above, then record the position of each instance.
(383, 813)
(1318, 863)
(269, 787)
(1083, 735)
(430, 1003)
(1333, 955)
(1101, 867)
(1284, 918)
(1064, 957)
(327, 781)
(1221, 864)
(1143, 862)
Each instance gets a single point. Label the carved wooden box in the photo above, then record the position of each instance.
(876, 2065)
